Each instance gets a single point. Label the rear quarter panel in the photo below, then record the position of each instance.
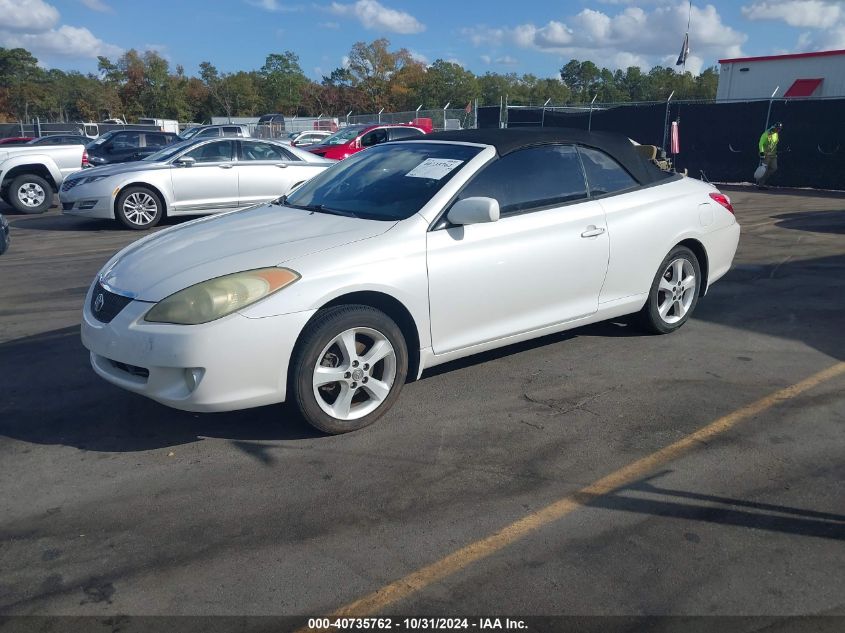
(644, 225)
(60, 160)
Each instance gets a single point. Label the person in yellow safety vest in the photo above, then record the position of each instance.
(768, 153)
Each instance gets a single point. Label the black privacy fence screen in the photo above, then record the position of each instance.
(718, 141)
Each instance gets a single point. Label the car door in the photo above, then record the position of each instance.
(542, 263)
(374, 137)
(209, 184)
(265, 172)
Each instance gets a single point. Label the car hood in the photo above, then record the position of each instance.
(116, 169)
(268, 235)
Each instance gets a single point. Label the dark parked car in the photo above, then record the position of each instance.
(61, 139)
(4, 234)
(121, 146)
(15, 140)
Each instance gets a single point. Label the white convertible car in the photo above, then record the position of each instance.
(402, 257)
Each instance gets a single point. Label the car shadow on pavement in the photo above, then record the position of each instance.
(813, 221)
(615, 328)
(52, 222)
(643, 497)
(52, 396)
(800, 300)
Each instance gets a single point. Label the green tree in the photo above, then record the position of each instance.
(447, 82)
(282, 82)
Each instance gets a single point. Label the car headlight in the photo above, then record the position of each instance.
(215, 298)
(91, 179)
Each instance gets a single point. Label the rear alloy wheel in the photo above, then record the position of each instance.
(349, 368)
(674, 292)
(29, 193)
(139, 208)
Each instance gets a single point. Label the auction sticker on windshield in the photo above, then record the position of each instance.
(434, 168)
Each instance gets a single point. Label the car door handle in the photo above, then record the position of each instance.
(226, 166)
(592, 231)
(281, 165)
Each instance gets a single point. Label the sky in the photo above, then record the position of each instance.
(533, 36)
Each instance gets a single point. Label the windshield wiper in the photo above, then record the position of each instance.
(317, 208)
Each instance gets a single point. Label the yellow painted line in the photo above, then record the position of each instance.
(458, 560)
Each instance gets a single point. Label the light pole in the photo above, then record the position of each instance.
(543, 120)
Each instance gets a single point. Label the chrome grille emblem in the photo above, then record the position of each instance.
(98, 302)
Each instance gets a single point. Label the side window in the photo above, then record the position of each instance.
(232, 131)
(604, 174)
(397, 133)
(156, 140)
(126, 140)
(531, 178)
(213, 131)
(374, 138)
(219, 152)
(264, 151)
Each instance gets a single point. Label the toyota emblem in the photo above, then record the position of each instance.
(98, 302)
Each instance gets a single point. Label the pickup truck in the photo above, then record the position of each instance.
(31, 174)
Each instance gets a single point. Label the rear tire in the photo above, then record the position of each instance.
(30, 194)
(348, 368)
(138, 208)
(674, 292)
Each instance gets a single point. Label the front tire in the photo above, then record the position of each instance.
(30, 194)
(348, 368)
(674, 292)
(139, 208)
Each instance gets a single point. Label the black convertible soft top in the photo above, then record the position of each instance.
(512, 139)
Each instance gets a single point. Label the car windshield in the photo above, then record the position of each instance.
(343, 136)
(168, 152)
(387, 182)
(189, 133)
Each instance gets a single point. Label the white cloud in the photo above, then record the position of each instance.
(274, 6)
(31, 16)
(329, 25)
(374, 15)
(35, 26)
(818, 14)
(825, 18)
(97, 5)
(65, 41)
(486, 59)
(630, 36)
(419, 58)
(507, 60)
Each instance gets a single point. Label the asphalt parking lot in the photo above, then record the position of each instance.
(113, 504)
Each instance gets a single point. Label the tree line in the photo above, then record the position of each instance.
(144, 84)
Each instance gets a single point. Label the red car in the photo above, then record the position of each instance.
(16, 140)
(354, 138)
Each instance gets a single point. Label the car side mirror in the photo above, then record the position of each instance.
(474, 211)
(185, 161)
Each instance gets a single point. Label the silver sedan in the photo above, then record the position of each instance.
(189, 178)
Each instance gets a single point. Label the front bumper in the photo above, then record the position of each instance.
(90, 204)
(232, 363)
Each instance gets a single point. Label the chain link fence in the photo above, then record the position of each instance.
(438, 119)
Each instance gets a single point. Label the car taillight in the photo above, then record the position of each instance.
(85, 162)
(723, 200)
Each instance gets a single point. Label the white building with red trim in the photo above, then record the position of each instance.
(799, 75)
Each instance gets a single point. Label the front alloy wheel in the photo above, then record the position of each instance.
(354, 373)
(139, 208)
(348, 368)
